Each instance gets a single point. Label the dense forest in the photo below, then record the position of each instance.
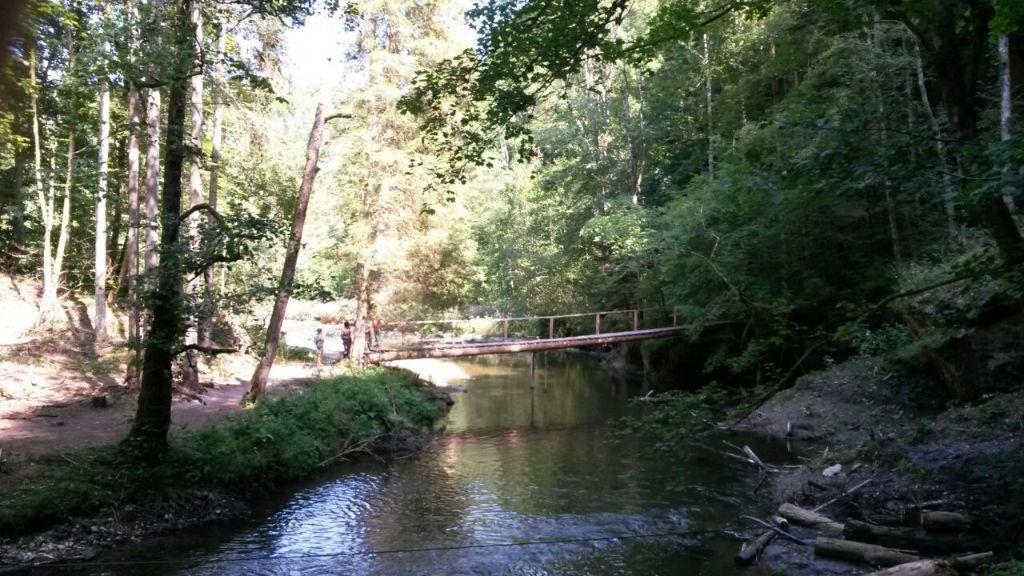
(793, 173)
(800, 184)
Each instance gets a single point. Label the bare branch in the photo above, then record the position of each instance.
(203, 207)
(204, 349)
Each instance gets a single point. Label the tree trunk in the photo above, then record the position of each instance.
(860, 552)
(948, 188)
(258, 384)
(373, 204)
(48, 304)
(362, 311)
(65, 219)
(100, 278)
(809, 518)
(961, 50)
(218, 113)
(190, 359)
(148, 435)
(18, 210)
(1005, 111)
(152, 179)
(131, 255)
(708, 97)
(883, 137)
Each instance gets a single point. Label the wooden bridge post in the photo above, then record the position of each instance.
(551, 327)
(506, 329)
(636, 320)
(673, 317)
(533, 387)
(597, 323)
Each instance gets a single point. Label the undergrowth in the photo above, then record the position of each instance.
(281, 439)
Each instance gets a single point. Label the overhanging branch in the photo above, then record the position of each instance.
(203, 207)
(212, 351)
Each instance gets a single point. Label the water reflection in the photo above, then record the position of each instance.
(478, 499)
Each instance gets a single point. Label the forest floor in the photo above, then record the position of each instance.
(56, 398)
(881, 425)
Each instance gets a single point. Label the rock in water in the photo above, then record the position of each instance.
(832, 470)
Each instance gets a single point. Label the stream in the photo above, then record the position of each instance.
(519, 483)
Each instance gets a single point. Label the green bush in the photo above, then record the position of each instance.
(883, 340)
(281, 439)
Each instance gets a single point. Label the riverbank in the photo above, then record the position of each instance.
(869, 421)
(68, 506)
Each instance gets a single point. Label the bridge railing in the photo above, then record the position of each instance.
(536, 327)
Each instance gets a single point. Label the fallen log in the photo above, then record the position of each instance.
(751, 550)
(937, 567)
(937, 521)
(918, 568)
(803, 517)
(861, 552)
(778, 531)
(972, 562)
(915, 538)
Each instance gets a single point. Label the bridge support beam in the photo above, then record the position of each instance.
(533, 387)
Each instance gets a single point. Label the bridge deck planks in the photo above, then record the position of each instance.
(513, 346)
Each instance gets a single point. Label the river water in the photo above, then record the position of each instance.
(520, 483)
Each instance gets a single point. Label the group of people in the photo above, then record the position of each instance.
(346, 339)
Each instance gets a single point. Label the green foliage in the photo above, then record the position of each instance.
(880, 341)
(677, 418)
(281, 439)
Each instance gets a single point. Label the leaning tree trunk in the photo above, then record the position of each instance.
(100, 278)
(148, 435)
(258, 384)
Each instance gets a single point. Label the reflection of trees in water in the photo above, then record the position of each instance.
(572, 390)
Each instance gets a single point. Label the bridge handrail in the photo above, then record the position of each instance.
(520, 318)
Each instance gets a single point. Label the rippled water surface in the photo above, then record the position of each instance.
(521, 483)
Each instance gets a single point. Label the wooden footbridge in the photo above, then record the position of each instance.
(506, 345)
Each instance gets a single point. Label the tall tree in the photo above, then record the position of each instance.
(153, 416)
(190, 359)
(215, 141)
(131, 257)
(1005, 108)
(100, 269)
(258, 383)
(152, 180)
(48, 304)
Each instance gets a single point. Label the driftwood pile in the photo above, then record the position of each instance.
(899, 550)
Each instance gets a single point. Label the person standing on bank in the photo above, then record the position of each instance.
(318, 342)
(346, 339)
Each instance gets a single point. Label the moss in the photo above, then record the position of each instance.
(282, 439)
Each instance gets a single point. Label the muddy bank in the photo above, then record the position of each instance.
(69, 507)
(888, 426)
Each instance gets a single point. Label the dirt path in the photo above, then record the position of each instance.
(51, 426)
